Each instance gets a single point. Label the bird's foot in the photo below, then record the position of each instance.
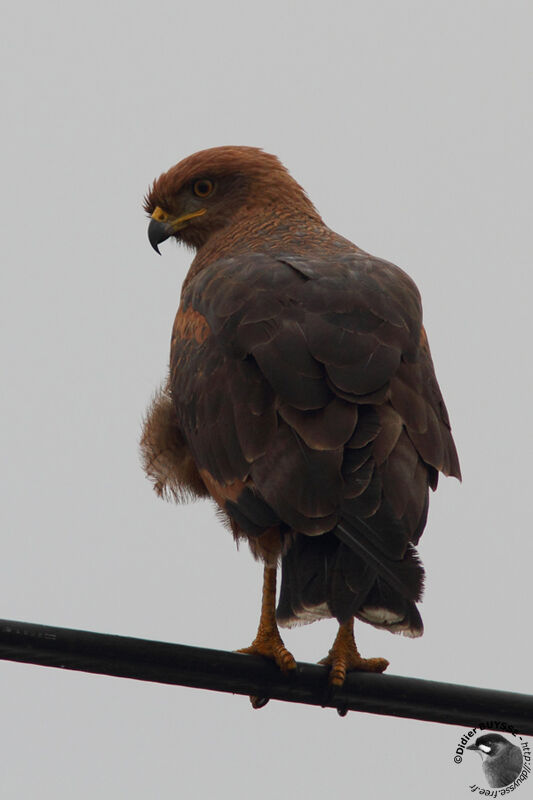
(342, 663)
(344, 657)
(268, 643)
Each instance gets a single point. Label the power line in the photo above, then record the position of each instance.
(198, 667)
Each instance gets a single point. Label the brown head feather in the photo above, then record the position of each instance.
(246, 180)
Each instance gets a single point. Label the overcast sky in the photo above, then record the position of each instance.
(410, 125)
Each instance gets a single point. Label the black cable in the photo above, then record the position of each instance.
(141, 659)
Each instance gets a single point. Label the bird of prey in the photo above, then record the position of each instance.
(502, 760)
(301, 398)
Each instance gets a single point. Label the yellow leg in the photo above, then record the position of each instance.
(268, 642)
(344, 656)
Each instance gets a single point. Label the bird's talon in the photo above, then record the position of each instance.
(274, 651)
(340, 665)
(258, 702)
(344, 657)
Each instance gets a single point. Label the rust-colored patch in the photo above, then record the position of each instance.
(424, 344)
(220, 492)
(190, 324)
(269, 547)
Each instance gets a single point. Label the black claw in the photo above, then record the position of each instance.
(259, 702)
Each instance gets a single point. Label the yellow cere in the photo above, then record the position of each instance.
(162, 216)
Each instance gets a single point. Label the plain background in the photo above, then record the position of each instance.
(409, 124)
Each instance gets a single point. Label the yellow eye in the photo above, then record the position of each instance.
(203, 188)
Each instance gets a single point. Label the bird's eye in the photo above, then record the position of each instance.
(203, 188)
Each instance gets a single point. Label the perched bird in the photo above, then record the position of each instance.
(301, 397)
(502, 760)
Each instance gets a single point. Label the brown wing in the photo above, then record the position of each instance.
(307, 396)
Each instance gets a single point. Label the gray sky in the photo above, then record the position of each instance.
(410, 125)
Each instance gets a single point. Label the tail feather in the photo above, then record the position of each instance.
(404, 575)
(397, 614)
(342, 574)
(304, 575)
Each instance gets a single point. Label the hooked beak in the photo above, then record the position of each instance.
(158, 232)
(162, 225)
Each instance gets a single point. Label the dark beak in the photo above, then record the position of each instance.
(472, 747)
(159, 232)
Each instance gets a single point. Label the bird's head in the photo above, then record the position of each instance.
(490, 745)
(211, 189)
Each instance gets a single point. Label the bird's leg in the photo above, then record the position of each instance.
(344, 656)
(268, 642)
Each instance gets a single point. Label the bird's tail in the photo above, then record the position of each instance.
(342, 574)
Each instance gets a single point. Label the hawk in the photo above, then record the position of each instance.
(301, 397)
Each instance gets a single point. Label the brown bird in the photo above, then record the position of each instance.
(301, 397)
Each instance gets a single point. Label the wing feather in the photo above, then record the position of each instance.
(312, 384)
